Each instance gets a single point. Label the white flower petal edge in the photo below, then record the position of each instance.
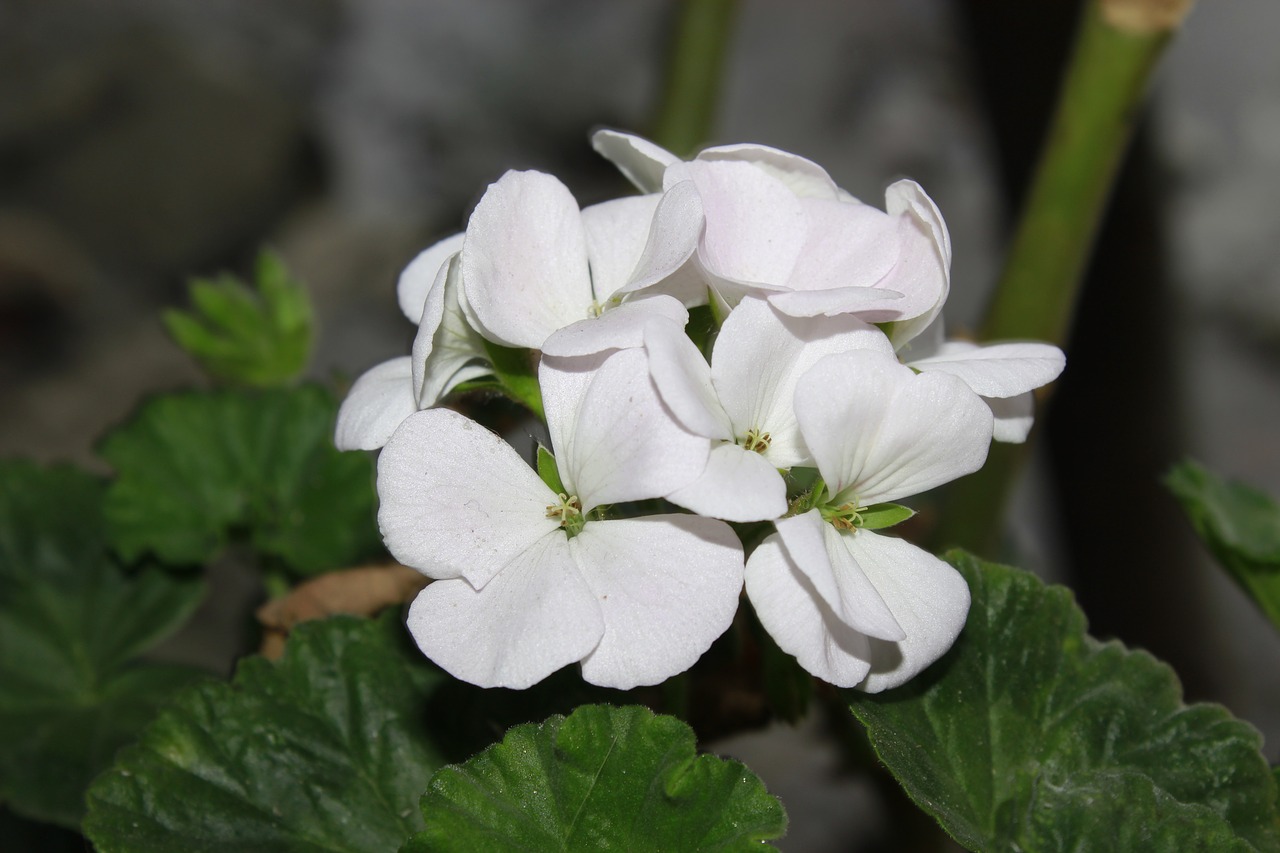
(1014, 417)
(617, 234)
(880, 432)
(534, 617)
(996, 370)
(420, 274)
(668, 585)
(456, 501)
(927, 597)
(642, 161)
(618, 328)
(736, 485)
(376, 404)
(446, 350)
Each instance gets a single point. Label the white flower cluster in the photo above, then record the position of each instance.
(828, 395)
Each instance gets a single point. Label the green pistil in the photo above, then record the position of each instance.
(569, 511)
(756, 440)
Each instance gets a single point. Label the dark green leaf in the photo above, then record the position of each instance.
(72, 623)
(880, 516)
(196, 467)
(325, 751)
(603, 778)
(1240, 525)
(516, 371)
(259, 337)
(1031, 735)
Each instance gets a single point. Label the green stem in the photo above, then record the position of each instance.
(692, 85)
(1036, 296)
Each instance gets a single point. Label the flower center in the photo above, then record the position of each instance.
(756, 440)
(842, 517)
(569, 511)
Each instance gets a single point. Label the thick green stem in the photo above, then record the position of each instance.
(1101, 93)
(692, 86)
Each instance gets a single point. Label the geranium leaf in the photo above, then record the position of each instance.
(1031, 735)
(259, 336)
(603, 778)
(326, 750)
(1240, 525)
(72, 622)
(880, 516)
(196, 467)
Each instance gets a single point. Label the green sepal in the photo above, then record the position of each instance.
(1032, 735)
(548, 472)
(604, 778)
(517, 373)
(259, 336)
(880, 516)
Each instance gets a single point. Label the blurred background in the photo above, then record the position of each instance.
(144, 141)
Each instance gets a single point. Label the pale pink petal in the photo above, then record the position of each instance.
(446, 350)
(377, 403)
(996, 370)
(820, 552)
(736, 485)
(524, 261)
(620, 327)
(879, 432)
(804, 177)
(800, 621)
(667, 585)
(923, 271)
(532, 618)
(639, 159)
(929, 599)
(873, 304)
(619, 443)
(846, 245)
(617, 234)
(420, 274)
(1013, 417)
(760, 355)
(456, 500)
(672, 239)
(683, 380)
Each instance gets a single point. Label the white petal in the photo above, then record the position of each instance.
(377, 403)
(880, 432)
(736, 485)
(929, 599)
(668, 585)
(755, 226)
(875, 304)
(617, 234)
(456, 500)
(804, 177)
(640, 160)
(534, 617)
(846, 245)
(420, 274)
(620, 327)
(820, 552)
(760, 355)
(673, 236)
(800, 621)
(923, 271)
(996, 370)
(524, 261)
(683, 380)
(446, 350)
(619, 443)
(1013, 417)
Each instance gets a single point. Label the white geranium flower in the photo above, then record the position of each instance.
(743, 400)
(1003, 374)
(533, 264)
(855, 607)
(528, 579)
(756, 220)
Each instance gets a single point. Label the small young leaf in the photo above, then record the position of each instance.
(260, 338)
(1031, 735)
(1240, 525)
(326, 750)
(548, 472)
(72, 623)
(604, 778)
(194, 467)
(880, 516)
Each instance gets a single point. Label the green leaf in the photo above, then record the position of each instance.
(604, 778)
(1031, 735)
(879, 516)
(1240, 525)
(72, 623)
(516, 371)
(548, 472)
(194, 468)
(260, 338)
(326, 750)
